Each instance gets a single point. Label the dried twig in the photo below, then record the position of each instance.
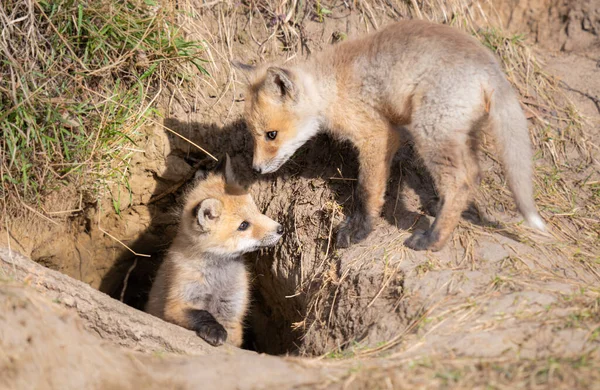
(131, 268)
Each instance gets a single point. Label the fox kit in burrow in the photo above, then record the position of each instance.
(202, 283)
(437, 82)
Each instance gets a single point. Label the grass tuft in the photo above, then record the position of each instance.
(77, 81)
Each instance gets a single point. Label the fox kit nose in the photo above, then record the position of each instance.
(256, 169)
(279, 229)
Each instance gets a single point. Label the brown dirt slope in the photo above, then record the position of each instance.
(46, 345)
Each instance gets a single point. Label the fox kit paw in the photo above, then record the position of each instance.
(423, 240)
(207, 327)
(432, 207)
(214, 334)
(354, 229)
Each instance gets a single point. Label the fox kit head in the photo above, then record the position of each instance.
(279, 114)
(221, 218)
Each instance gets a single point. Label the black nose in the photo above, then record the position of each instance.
(257, 169)
(279, 229)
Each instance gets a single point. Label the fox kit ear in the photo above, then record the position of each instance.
(228, 171)
(280, 84)
(224, 166)
(208, 212)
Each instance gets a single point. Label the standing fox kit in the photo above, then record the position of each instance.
(202, 284)
(439, 83)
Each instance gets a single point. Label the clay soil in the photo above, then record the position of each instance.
(498, 307)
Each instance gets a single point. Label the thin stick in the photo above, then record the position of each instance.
(75, 56)
(80, 208)
(383, 286)
(4, 200)
(330, 231)
(342, 178)
(159, 124)
(417, 9)
(120, 242)
(127, 278)
(210, 4)
(40, 214)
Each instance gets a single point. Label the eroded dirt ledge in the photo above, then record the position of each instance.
(47, 341)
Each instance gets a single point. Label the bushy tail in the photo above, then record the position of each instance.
(509, 127)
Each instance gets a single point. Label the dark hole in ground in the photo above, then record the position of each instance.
(130, 278)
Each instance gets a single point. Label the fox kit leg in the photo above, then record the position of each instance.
(455, 170)
(206, 326)
(234, 333)
(375, 157)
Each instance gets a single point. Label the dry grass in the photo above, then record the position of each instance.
(578, 372)
(566, 168)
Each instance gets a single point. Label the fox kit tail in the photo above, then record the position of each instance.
(509, 127)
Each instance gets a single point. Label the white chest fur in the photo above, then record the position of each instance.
(219, 287)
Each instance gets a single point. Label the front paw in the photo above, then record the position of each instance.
(214, 334)
(354, 229)
(422, 240)
(432, 207)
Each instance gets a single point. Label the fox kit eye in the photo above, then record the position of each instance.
(243, 226)
(271, 135)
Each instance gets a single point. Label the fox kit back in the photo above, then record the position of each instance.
(440, 84)
(202, 283)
